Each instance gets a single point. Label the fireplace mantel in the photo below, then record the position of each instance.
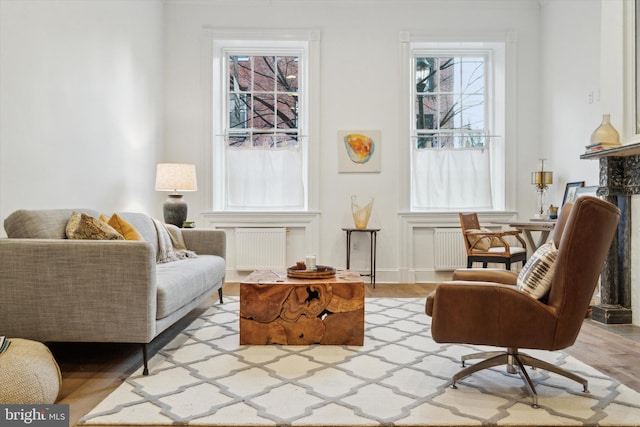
(619, 180)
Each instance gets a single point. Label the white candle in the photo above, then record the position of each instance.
(311, 262)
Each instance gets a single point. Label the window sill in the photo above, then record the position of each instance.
(451, 219)
(260, 219)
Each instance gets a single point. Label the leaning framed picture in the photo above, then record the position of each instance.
(570, 191)
(587, 191)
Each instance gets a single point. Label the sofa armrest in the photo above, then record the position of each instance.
(206, 241)
(506, 277)
(77, 290)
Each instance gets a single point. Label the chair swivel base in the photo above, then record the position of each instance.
(512, 358)
(487, 355)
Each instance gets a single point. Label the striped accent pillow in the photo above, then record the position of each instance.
(536, 275)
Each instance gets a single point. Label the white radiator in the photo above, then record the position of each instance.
(449, 249)
(261, 248)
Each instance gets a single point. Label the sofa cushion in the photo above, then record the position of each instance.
(181, 282)
(86, 227)
(40, 223)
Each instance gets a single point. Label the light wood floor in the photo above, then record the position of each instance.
(91, 371)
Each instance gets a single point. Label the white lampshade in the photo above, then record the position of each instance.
(176, 177)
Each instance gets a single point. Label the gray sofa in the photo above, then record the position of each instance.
(54, 289)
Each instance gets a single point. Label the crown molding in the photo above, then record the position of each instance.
(520, 4)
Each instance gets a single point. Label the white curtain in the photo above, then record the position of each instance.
(264, 179)
(451, 179)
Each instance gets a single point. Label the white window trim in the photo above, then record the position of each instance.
(407, 39)
(213, 116)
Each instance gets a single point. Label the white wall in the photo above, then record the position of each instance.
(80, 104)
(593, 32)
(570, 71)
(360, 89)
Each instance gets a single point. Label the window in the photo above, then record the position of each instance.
(457, 153)
(261, 132)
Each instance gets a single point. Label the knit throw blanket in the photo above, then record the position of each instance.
(171, 246)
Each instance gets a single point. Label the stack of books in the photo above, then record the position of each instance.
(4, 344)
(593, 148)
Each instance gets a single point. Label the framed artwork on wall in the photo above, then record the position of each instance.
(570, 191)
(359, 151)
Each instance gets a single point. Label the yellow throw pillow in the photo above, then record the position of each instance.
(123, 227)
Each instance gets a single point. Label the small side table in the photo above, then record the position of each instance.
(373, 232)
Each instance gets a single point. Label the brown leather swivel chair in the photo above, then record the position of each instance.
(495, 314)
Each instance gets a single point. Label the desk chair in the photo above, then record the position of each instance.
(485, 246)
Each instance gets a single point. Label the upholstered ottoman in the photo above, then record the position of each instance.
(28, 373)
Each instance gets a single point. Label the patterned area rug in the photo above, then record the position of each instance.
(400, 377)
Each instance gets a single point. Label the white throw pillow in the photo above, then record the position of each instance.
(535, 277)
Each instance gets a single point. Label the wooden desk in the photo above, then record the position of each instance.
(276, 309)
(527, 226)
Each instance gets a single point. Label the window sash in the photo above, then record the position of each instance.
(259, 105)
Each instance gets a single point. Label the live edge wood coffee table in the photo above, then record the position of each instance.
(276, 309)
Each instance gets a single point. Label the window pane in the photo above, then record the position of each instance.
(239, 73)
(446, 74)
(281, 140)
(263, 111)
(425, 74)
(426, 142)
(239, 106)
(288, 74)
(287, 111)
(237, 140)
(264, 73)
(472, 115)
(448, 111)
(477, 140)
(426, 112)
(446, 141)
(472, 75)
(262, 140)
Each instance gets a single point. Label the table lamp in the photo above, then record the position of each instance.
(175, 177)
(541, 179)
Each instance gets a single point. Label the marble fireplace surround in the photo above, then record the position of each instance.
(619, 180)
